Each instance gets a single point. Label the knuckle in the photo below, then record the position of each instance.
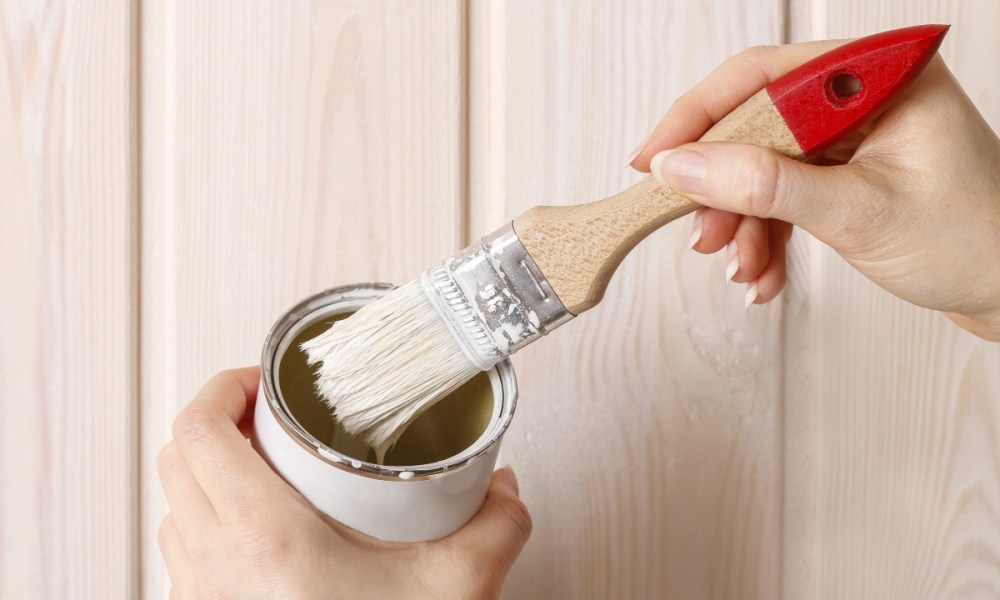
(261, 543)
(689, 99)
(757, 54)
(227, 378)
(246, 515)
(758, 184)
(223, 377)
(195, 423)
(879, 200)
(168, 460)
(518, 514)
(881, 180)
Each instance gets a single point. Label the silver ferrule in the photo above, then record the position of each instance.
(493, 298)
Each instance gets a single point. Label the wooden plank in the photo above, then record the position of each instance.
(67, 301)
(288, 147)
(648, 434)
(892, 412)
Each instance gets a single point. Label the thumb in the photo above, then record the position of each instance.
(500, 529)
(758, 181)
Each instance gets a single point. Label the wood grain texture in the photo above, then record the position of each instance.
(67, 301)
(647, 438)
(287, 147)
(577, 248)
(835, 444)
(892, 472)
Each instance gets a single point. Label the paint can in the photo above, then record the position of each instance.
(431, 482)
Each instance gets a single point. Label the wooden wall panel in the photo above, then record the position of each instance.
(67, 301)
(837, 444)
(288, 147)
(648, 434)
(893, 414)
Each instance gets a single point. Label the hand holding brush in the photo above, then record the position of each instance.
(395, 357)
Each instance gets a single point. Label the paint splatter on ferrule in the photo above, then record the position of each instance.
(493, 298)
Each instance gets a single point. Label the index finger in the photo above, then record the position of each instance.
(233, 476)
(725, 88)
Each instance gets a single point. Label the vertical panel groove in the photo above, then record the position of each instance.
(660, 409)
(68, 281)
(135, 251)
(286, 148)
(465, 128)
(892, 429)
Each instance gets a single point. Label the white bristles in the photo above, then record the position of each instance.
(385, 364)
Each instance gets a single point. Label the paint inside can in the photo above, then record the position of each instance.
(439, 472)
(446, 429)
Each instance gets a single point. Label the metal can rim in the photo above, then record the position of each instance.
(501, 376)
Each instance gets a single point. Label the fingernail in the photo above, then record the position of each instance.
(751, 295)
(682, 170)
(733, 257)
(511, 478)
(695, 229)
(636, 152)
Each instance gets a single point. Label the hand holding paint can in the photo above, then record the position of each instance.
(430, 483)
(236, 529)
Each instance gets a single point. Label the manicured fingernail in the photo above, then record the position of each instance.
(511, 478)
(751, 295)
(636, 152)
(733, 258)
(695, 229)
(682, 170)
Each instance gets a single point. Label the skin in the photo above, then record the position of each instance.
(912, 201)
(237, 530)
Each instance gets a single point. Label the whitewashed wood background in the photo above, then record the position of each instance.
(174, 174)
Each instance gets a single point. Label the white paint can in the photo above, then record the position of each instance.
(453, 446)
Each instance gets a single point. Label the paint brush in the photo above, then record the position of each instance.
(384, 365)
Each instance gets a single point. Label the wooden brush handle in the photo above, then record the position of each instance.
(577, 248)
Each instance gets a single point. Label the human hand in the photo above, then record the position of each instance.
(912, 201)
(237, 530)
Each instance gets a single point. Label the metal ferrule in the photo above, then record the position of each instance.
(493, 298)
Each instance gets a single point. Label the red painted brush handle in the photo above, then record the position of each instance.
(577, 248)
(835, 93)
